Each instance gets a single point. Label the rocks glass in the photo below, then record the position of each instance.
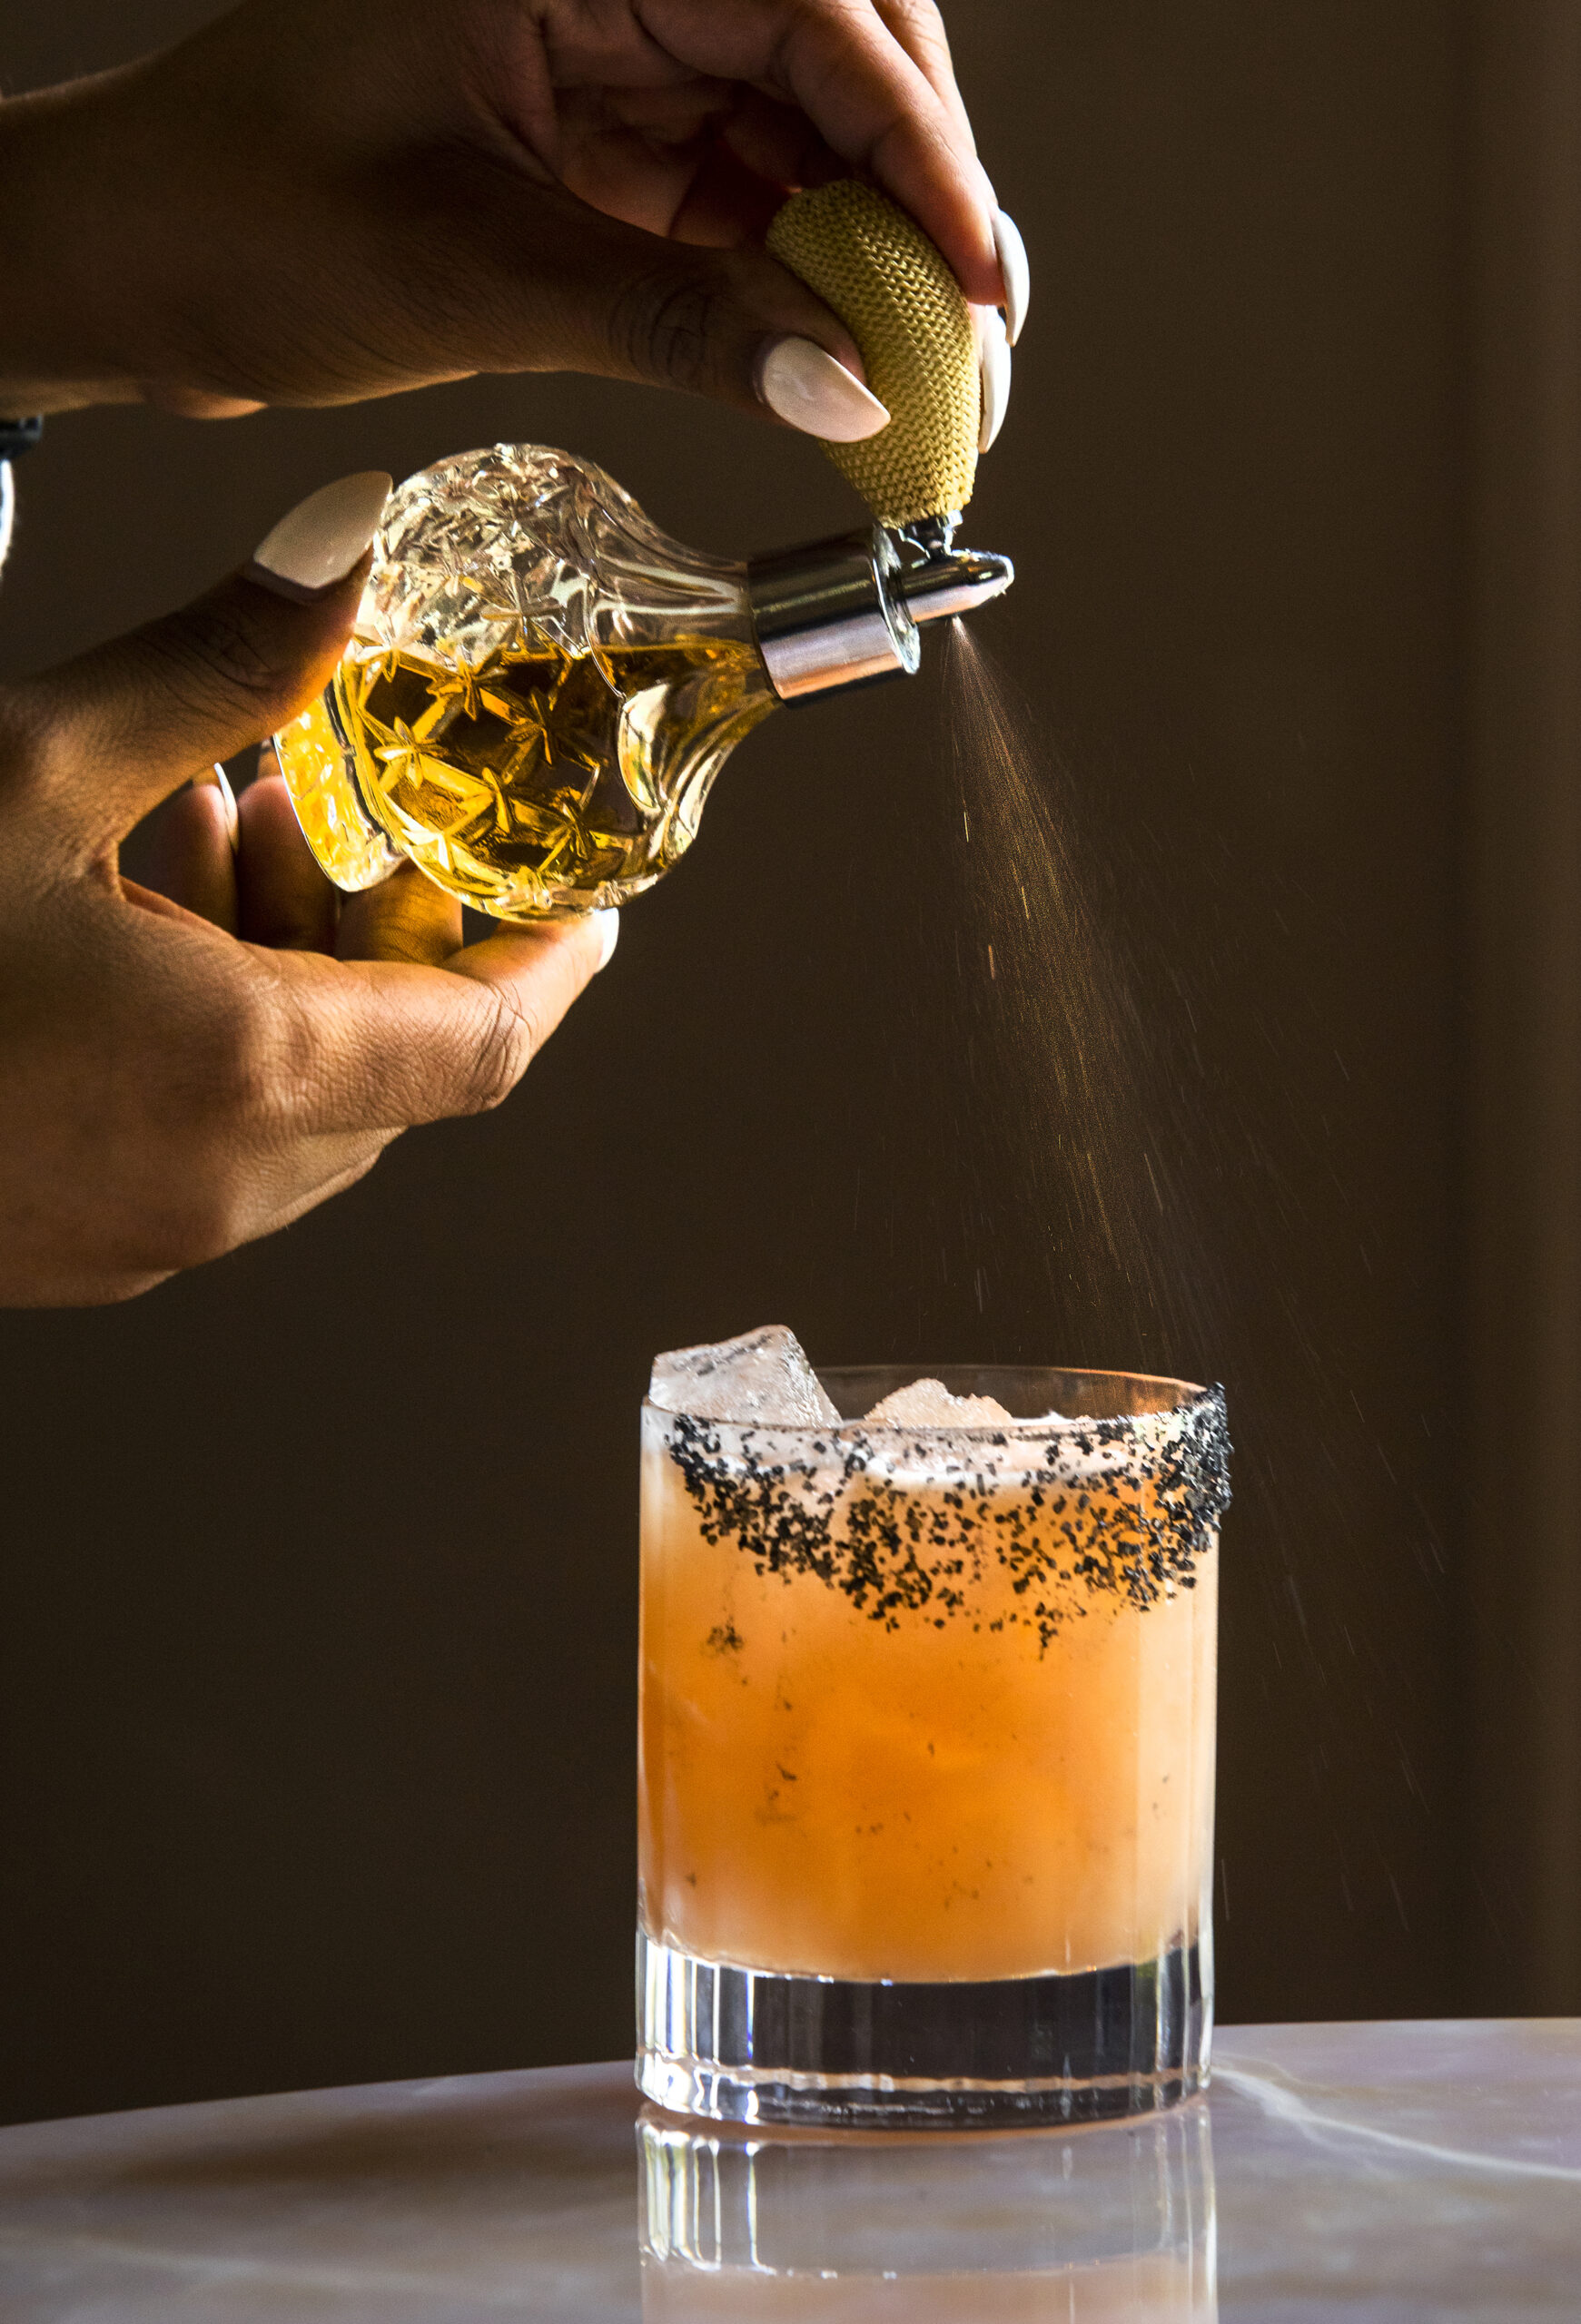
(926, 1750)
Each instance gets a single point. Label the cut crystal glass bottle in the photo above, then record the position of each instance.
(541, 686)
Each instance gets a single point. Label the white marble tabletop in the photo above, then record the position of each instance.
(1389, 2171)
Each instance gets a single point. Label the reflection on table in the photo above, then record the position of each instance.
(1428, 2172)
(841, 2228)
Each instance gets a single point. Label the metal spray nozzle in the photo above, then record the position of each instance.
(846, 611)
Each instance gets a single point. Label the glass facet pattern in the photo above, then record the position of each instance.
(538, 694)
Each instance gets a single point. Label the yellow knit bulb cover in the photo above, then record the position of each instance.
(894, 293)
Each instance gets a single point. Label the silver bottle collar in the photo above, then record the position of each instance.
(846, 612)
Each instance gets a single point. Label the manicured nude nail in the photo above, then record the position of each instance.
(802, 383)
(218, 780)
(322, 537)
(995, 367)
(1017, 273)
(609, 926)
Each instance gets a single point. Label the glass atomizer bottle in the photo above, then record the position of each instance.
(541, 686)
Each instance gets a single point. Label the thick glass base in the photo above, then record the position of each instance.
(746, 2045)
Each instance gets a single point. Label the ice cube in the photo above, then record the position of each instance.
(928, 1403)
(762, 1377)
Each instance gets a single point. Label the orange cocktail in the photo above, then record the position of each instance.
(927, 1708)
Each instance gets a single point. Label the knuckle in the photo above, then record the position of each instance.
(36, 747)
(212, 659)
(23, 727)
(920, 17)
(233, 1082)
(224, 643)
(917, 21)
(669, 330)
(506, 1041)
(246, 1069)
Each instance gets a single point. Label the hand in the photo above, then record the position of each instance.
(182, 1073)
(316, 201)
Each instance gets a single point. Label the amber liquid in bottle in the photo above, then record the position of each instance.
(538, 780)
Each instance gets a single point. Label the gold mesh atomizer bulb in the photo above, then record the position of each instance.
(892, 291)
(839, 613)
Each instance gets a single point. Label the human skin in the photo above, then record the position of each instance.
(182, 1072)
(312, 201)
(309, 202)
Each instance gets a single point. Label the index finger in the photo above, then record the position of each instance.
(919, 30)
(378, 1046)
(867, 97)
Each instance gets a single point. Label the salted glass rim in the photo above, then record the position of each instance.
(1189, 1393)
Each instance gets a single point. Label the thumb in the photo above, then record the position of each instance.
(128, 722)
(390, 1044)
(732, 324)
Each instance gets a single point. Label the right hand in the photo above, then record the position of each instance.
(181, 1073)
(312, 201)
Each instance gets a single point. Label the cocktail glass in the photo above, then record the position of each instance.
(927, 1754)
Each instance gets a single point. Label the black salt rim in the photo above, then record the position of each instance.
(842, 1504)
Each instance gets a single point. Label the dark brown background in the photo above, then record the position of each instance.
(319, 1566)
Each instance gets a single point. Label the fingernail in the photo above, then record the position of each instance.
(322, 537)
(1017, 273)
(802, 383)
(994, 361)
(218, 780)
(609, 926)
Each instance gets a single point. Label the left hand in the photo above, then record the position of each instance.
(183, 1071)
